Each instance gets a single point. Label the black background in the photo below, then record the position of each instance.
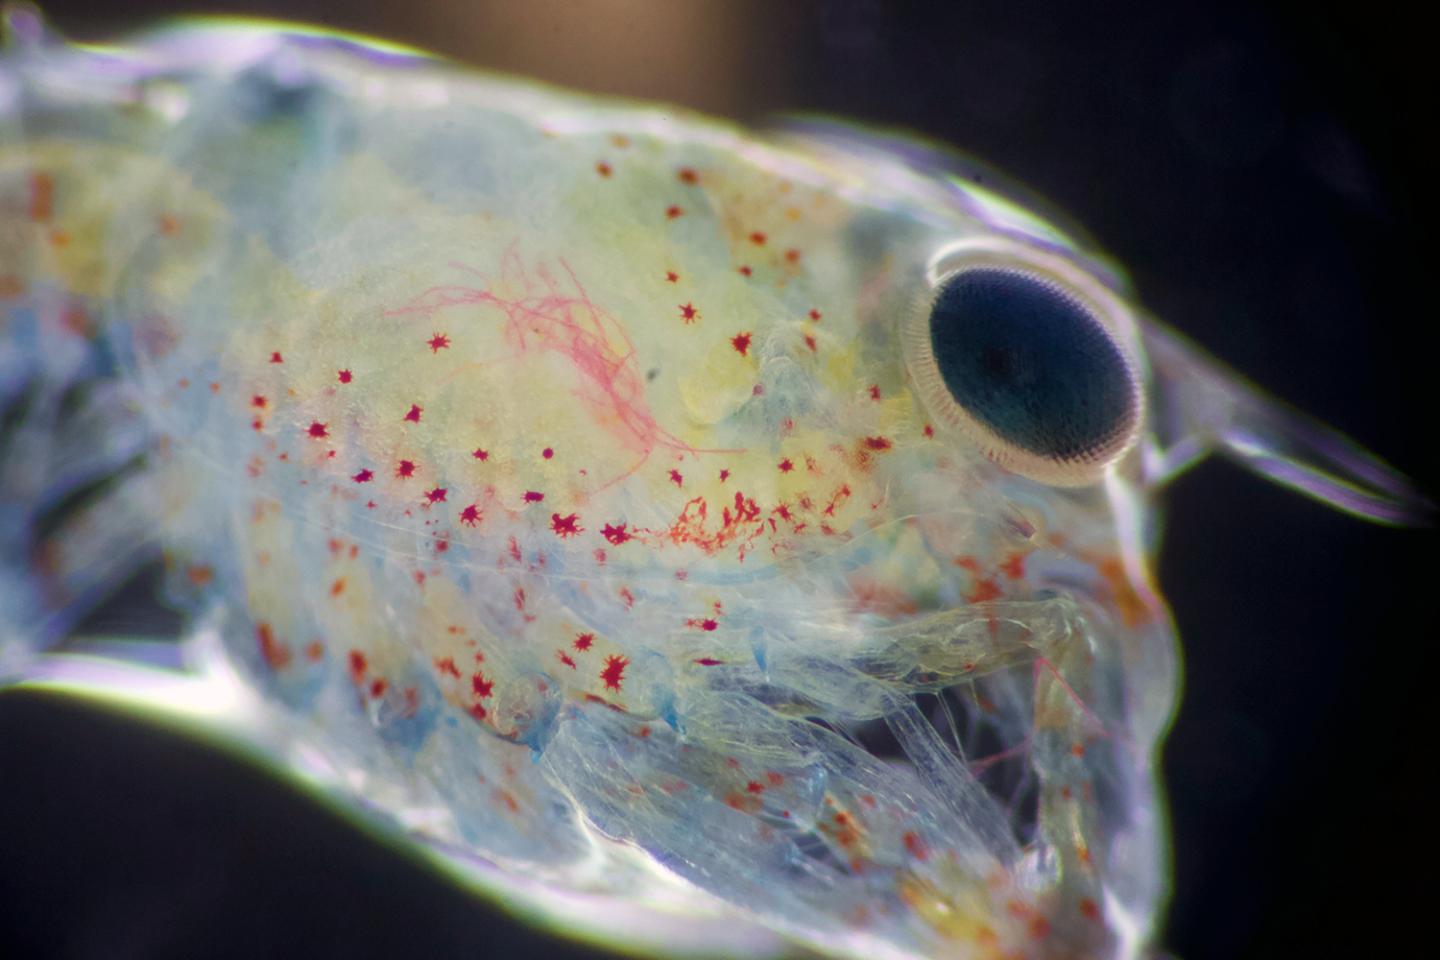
(1259, 172)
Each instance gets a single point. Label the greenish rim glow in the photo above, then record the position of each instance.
(214, 707)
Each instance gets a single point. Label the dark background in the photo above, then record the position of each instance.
(1258, 170)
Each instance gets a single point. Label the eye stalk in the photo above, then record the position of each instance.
(1028, 357)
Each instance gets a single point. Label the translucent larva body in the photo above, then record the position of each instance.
(561, 475)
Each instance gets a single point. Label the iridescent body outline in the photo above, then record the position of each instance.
(557, 473)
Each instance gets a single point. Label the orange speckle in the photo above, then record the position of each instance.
(42, 197)
(915, 846)
(1132, 606)
(870, 595)
(603, 168)
(276, 654)
(983, 591)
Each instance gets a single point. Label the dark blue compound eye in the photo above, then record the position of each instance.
(1034, 368)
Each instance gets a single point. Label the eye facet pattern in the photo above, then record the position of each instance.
(1028, 370)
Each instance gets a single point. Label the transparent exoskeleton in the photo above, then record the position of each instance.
(697, 537)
